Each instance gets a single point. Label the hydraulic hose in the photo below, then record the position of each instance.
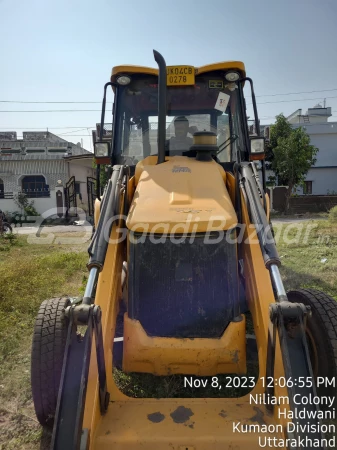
(99, 244)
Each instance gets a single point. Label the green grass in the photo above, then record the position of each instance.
(150, 386)
(302, 264)
(31, 273)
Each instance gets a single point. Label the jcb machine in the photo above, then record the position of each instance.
(184, 244)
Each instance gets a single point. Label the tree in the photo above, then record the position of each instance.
(27, 207)
(281, 129)
(103, 174)
(290, 154)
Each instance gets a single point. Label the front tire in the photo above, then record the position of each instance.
(321, 335)
(49, 340)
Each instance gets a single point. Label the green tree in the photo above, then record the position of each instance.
(281, 129)
(104, 178)
(290, 154)
(26, 207)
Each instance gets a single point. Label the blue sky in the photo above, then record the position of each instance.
(64, 50)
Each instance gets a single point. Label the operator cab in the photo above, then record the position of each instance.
(209, 104)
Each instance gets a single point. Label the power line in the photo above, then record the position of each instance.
(23, 101)
(96, 102)
(55, 110)
(295, 93)
(73, 131)
(83, 127)
(41, 128)
(86, 135)
(98, 110)
(291, 101)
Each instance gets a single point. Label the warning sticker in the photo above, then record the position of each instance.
(222, 102)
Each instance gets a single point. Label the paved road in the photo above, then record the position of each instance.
(81, 228)
(55, 229)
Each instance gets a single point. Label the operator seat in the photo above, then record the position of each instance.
(176, 147)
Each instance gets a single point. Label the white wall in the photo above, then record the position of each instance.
(40, 204)
(8, 205)
(323, 180)
(81, 172)
(327, 145)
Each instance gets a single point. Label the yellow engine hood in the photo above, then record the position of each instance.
(182, 195)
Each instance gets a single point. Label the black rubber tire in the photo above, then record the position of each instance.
(321, 333)
(49, 340)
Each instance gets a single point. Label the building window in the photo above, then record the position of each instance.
(2, 189)
(35, 186)
(307, 188)
(9, 151)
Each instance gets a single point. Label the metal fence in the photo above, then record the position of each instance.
(36, 193)
(30, 193)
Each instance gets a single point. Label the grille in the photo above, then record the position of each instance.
(182, 289)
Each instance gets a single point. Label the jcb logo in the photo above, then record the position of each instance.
(180, 169)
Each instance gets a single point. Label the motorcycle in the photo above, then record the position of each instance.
(5, 227)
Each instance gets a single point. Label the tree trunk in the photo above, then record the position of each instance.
(288, 194)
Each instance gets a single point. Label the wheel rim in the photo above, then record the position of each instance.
(312, 352)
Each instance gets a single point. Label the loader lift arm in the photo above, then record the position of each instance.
(67, 432)
(287, 318)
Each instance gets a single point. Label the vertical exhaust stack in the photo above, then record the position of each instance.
(161, 106)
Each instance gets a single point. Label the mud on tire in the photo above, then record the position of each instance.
(49, 339)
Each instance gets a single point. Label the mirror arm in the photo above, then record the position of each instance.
(103, 111)
(257, 122)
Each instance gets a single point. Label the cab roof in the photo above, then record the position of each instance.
(226, 65)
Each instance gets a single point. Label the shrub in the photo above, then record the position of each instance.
(25, 205)
(333, 214)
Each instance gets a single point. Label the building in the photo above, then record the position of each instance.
(322, 177)
(41, 165)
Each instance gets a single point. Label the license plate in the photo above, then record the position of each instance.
(180, 76)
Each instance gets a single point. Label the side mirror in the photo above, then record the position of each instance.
(257, 145)
(102, 152)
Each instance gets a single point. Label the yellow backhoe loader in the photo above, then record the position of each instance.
(183, 254)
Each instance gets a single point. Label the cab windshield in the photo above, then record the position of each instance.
(212, 104)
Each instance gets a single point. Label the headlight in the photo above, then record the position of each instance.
(256, 145)
(123, 80)
(101, 149)
(232, 76)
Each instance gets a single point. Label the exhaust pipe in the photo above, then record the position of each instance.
(161, 106)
